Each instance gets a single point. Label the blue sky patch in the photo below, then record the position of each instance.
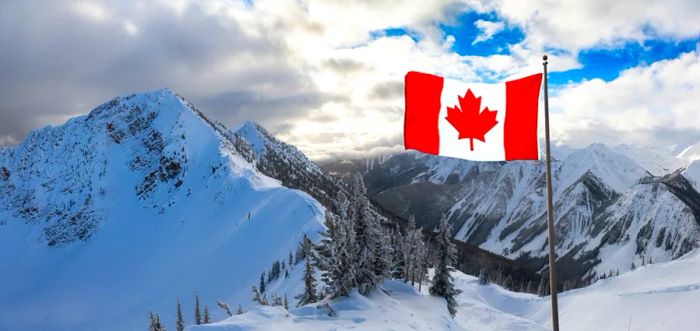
(607, 64)
(394, 32)
(465, 31)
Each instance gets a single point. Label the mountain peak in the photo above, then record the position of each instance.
(252, 127)
(257, 136)
(162, 100)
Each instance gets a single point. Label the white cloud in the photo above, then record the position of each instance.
(311, 71)
(576, 25)
(130, 28)
(650, 105)
(90, 10)
(487, 30)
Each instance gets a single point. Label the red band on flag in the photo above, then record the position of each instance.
(422, 94)
(520, 130)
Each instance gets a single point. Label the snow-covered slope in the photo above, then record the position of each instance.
(285, 162)
(651, 298)
(692, 172)
(657, 160)
(124, 210)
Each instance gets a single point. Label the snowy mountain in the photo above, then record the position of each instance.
(613, 206)
(653, 297)
(285, 162)
(122, 211)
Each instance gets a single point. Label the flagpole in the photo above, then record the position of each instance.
(550, 211)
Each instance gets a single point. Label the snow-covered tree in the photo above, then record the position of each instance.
(258, 297)
(384, 250)
(414, 253)
(154, 323)
(262, 282)
(399, 254)
(368, 239)
(309, 295)
(206, 314)
(274, 271)
(180, 321)
(225, 307)
(336, 251)
(529, 288)
(446, 256)
(197, 311)
(542, 288)
(483, 277)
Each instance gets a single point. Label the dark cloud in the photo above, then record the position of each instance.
(344, 65)
(387, 90)
(55, 63)
(270, 110)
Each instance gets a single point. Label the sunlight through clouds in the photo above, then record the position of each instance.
(312, 70)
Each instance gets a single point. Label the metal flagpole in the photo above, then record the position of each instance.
(550, 212)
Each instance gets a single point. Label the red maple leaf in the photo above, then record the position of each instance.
(469, 121)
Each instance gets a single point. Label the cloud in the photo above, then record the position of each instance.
(649, 105)
(90, 10)
(309, 70)
(487, 30)
(571, 26)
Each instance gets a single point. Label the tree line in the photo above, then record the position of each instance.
(357, 252)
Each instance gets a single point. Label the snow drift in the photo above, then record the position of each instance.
(653, 297)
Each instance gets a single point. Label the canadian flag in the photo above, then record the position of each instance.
(481, 122)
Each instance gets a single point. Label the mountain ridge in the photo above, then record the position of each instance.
(500, 206)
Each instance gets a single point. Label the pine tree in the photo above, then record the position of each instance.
(239, 311)
(412, 251)
(542, 288)
(383, 260)
(180, 322)
(367, 238)
(286, 302)
(398, 256)
(336, 252)
(262, 282)
(225, 307)
(442, 283)
(152, 322)
(274, 271)
(309, 295)
(155, 323)
(206, 314)
(529, 288)
(197, 312)
(632, 267)
(568, 286)
(259, 297)
(483, 277)
(508, 282)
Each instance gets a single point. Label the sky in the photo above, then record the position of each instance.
(327, 76)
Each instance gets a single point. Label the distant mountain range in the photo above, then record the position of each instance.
(614, 207)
